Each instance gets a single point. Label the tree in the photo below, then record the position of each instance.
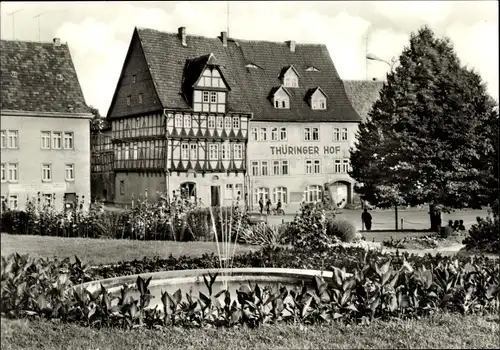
(432, 136)
(97, 123)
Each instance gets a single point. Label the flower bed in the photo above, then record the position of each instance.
(366, 285)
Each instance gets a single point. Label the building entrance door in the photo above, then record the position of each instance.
(215, 196)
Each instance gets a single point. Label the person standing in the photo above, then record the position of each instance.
(261, 205)
(367, 219)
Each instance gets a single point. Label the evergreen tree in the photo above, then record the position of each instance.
(432, 136)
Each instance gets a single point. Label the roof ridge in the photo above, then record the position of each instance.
(229, 39)
(34, 42)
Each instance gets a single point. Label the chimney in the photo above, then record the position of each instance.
(291, 45)
(57, 42)
(182, 35)
(223, 37)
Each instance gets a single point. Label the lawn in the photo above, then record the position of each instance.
(439, 332)
(104, 251)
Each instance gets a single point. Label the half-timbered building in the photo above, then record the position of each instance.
(179, 121)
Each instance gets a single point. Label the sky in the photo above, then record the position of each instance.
(98, 33)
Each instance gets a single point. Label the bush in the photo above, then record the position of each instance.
(308, 228)
(342, 229)
(261, 234)
(484, 236)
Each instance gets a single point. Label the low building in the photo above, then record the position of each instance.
(45, 136)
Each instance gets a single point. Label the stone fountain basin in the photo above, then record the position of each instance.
(192, 282)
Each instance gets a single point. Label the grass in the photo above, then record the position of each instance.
(438, 331)
(104, 251)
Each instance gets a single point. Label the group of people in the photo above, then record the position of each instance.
(458, 225)
(268, 205)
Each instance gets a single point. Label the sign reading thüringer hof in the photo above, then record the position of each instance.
(296, 150)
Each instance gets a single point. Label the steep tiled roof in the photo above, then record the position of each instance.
(36, 85)
(250, 88)
(363, 94)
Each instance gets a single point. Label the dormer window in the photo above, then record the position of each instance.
(13, 74)
(290, 77)
(312, 69)
(317, 99)
(281, 98)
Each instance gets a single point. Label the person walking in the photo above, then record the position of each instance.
(261, 205)
(367, 219)
(268, 206)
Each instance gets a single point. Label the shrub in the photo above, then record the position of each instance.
(342, 229)
(261, 234)
(485, 235)
(308, 228)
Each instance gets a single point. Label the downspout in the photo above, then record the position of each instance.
(166, 168)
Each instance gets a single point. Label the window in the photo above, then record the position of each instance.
(12, 172)
(291, 81)
(225, 151)
(69, 172)
(45, 140)
(211, 122)
(315, 134)
(4, 139)
(276, 167)
(261, 193)
(312, 193)
(255, 168)
(307, 134)
(122, 187)
(213, 97)
(317, 167)
(13, 201)
(220, 122)
(345, 166)
(236, 122)
(263, 134)
(193, 151)
(209, 101)
(47, 199)
(3, 173)
(281, 103)
(228, 195)
(56, 140)
(129, 100)
(238, 151)
(184, 151)
(46, 172)
(344, 134)
(309, 169)
(274, 134)
(263, 166)
(68, 140)
(187, 122)
(283, 134)
(140, 98)
(238, 189)
(336, 134)
(255, 134)
(12, 139)
(178, 121)
(336, 168)
(213, 151)
(319, 103)
(280, 193)
(228, 122)
(134, 79)
(284, 167)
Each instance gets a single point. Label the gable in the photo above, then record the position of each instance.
(212, 77)
(135, 79)
(281, 94)
(318, 95)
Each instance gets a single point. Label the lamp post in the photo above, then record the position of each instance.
(394, 60)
